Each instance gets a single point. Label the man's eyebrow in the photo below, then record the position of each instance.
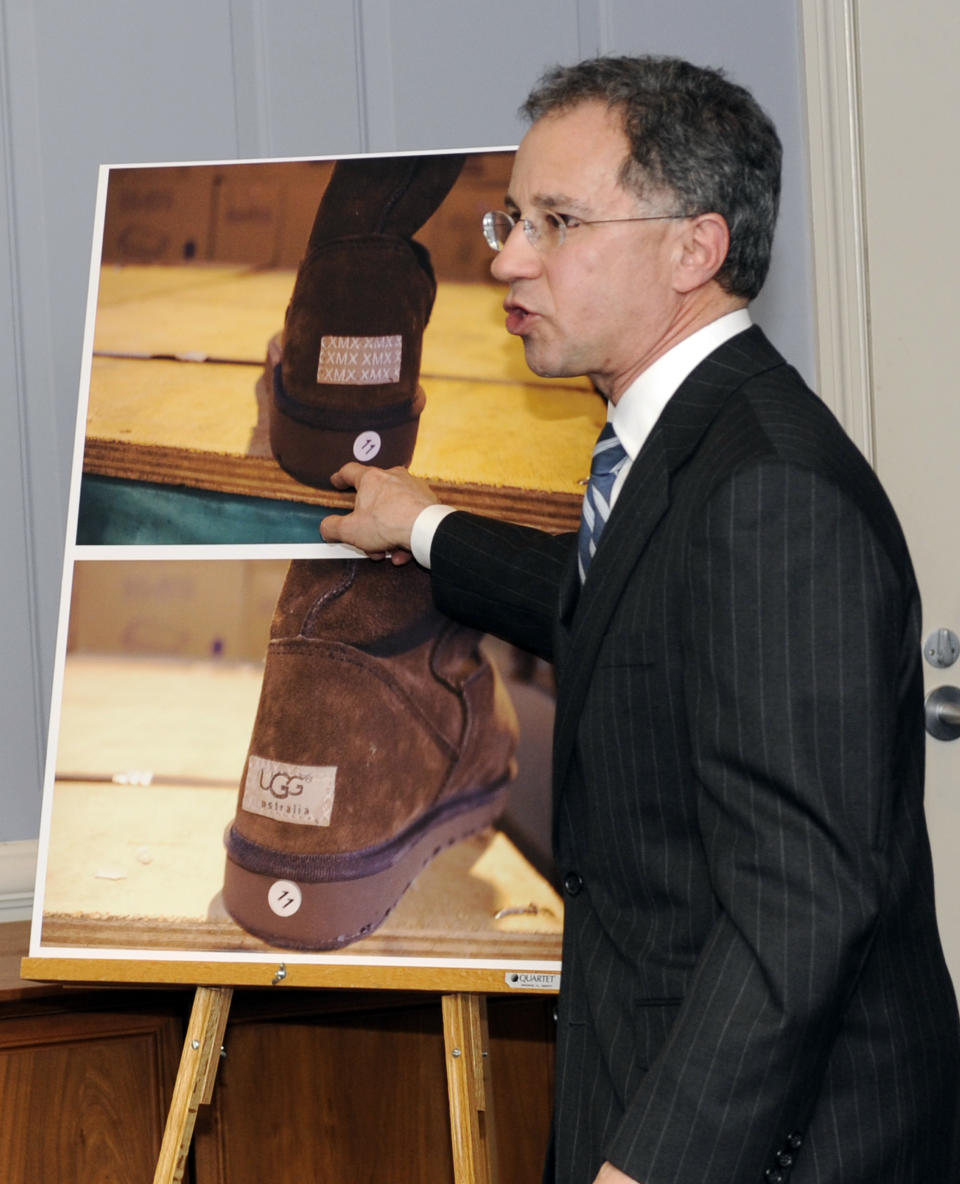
(553, 201)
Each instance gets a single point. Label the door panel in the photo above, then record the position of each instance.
(910, 95)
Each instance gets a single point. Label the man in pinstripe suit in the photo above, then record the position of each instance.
(753, 985)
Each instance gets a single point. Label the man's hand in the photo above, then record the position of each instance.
(387, 505)
(608, 1174)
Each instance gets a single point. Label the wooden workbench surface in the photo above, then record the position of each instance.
(141, 866)
(174, 398)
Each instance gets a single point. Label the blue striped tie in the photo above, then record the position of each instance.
(609, 458)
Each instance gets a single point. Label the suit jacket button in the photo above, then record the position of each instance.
(773, 1176)
(784, 1159)
(794, 1140)
(572, 883)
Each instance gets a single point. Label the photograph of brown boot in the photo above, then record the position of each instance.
(383, 735)
(347, 385)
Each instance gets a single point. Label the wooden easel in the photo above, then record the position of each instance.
(466, 1042)
(448, 949)
(195, 1078)
(463, 990)
(468, 1084)
(443, 938)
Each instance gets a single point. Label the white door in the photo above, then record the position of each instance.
(905, 337)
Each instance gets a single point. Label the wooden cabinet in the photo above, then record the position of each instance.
(314, 1085)
(83, 1093)
(85, 1077)
(349, 1086)
(348, 1095)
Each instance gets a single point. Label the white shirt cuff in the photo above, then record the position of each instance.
(424, 528)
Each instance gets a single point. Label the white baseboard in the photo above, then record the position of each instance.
(18, 863)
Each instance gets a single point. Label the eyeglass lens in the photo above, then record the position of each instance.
(545, 232)
(496, 228)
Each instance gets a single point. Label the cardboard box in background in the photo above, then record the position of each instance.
(454, 236)
(175, 608)
(262, 581)
(158, 215)
(262, 214)
(247, 216)
(302, 184)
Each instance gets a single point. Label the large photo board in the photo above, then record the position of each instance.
(263, 746)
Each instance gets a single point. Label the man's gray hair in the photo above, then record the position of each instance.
(693, 134)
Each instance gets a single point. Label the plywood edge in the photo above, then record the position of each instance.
(138, 933)
(262, 477)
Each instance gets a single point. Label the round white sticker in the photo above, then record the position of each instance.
(366, 446)
(284, 898)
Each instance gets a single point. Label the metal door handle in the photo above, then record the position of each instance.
(941, 710)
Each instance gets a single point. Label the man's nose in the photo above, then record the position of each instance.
(517, 260)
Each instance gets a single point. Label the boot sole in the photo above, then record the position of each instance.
(327, 902)
(310, 453)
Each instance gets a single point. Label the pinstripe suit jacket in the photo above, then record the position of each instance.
(753, 981)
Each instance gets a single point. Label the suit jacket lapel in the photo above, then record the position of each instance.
(644, 499)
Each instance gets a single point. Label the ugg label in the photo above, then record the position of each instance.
(359, 361)
(302, 794)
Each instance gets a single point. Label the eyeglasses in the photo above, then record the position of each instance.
(548, 231)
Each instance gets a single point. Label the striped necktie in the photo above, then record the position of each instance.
(609, 458)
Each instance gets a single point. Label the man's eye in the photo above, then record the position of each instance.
(561, 222)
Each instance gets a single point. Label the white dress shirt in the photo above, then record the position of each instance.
(633, 415)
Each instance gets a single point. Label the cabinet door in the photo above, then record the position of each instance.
(84, 1095)
(345, 1097)
(362, 1095)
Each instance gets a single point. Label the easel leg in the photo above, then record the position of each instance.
(468, 1085)
(195, 1078)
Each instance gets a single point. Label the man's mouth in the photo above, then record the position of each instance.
(519, 319)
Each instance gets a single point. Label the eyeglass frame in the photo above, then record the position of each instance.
(533, 237)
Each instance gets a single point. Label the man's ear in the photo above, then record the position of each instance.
(704, 244)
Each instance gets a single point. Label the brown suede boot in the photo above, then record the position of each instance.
(383, 735)
(347, 387)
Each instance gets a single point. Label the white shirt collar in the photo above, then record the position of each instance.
(641, 404)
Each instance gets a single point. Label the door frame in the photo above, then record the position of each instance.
(837, 208)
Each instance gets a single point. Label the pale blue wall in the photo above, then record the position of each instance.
(124, 81)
